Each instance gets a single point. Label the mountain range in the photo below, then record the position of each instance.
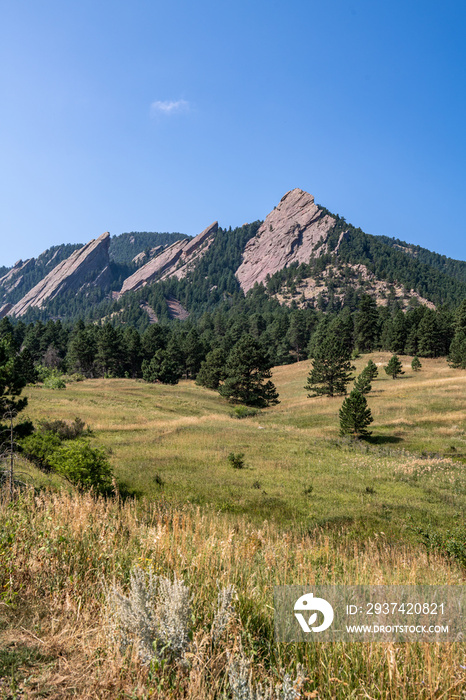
(300, 255)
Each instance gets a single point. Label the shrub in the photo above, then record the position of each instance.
(156, 616)
(451, 543)
(83, 465)
(64, 429)
(51, 378)
(416, 364)
(39, 448)
(243, 687)
(243, 412)
(55, 381)
(236, 460)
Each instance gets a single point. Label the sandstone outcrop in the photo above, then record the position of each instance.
(293, 232)
(142, 257)
(176, 260)
(89, 263)
(14, 277)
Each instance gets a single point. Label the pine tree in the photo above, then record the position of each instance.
(366, 324)
(371, 369)
(416, 364)
(212, 370)
(457, 353)
(162, 368)
(331, 370)
(109, 353)
(194, 353)
(394, 367)
(247, 375)
(82, 350)
(363, 382)
(355, 415)
(12, 381)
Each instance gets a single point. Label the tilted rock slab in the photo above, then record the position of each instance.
(14, 277)
(176, 260)
(69, 274)
(293, 232)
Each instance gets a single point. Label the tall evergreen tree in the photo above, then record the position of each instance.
(162, 368)
(212, 370)
(457, 354)
(366, 324)
(82, 349)
(248, 375)
(12, 380)
(331, 369)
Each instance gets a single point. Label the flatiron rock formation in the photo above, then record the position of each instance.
(176, 260)
(14, 277)
(293, 232)
(90, 261)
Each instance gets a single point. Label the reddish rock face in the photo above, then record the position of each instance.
(14, 276)
(69, 274)
(294, 231)
(176, 260)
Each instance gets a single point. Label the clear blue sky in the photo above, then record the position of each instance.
(164, 116)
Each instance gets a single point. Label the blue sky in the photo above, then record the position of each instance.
(157, 116)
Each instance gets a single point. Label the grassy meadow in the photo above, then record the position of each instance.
(308, 507)
(174, 441)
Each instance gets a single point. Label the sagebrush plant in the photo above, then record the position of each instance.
(155, 615)
(242, 686)
(224, 611)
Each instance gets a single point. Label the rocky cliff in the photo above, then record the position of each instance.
(14, 276)
(176, 260)
(293, 232)
(89, 264)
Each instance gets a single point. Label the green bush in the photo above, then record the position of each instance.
(236, 460)
(452, 542)
(64, 429)
(243, 412)
(39, 448)
(51, 378)
(84, 466)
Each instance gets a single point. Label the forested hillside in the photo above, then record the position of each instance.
(449, 266)
(126, 246)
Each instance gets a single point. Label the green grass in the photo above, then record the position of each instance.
(175, 442)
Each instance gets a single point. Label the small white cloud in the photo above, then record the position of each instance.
(168, 107)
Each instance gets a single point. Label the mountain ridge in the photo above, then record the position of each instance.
(298, 240)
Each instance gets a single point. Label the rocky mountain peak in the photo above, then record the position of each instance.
(90, 261)
(176, 260)
(293, 232)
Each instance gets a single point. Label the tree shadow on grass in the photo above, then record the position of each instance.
(383, 439)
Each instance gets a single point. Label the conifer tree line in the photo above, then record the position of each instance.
(203, 348)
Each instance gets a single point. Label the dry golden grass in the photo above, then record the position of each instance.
(64, 547)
